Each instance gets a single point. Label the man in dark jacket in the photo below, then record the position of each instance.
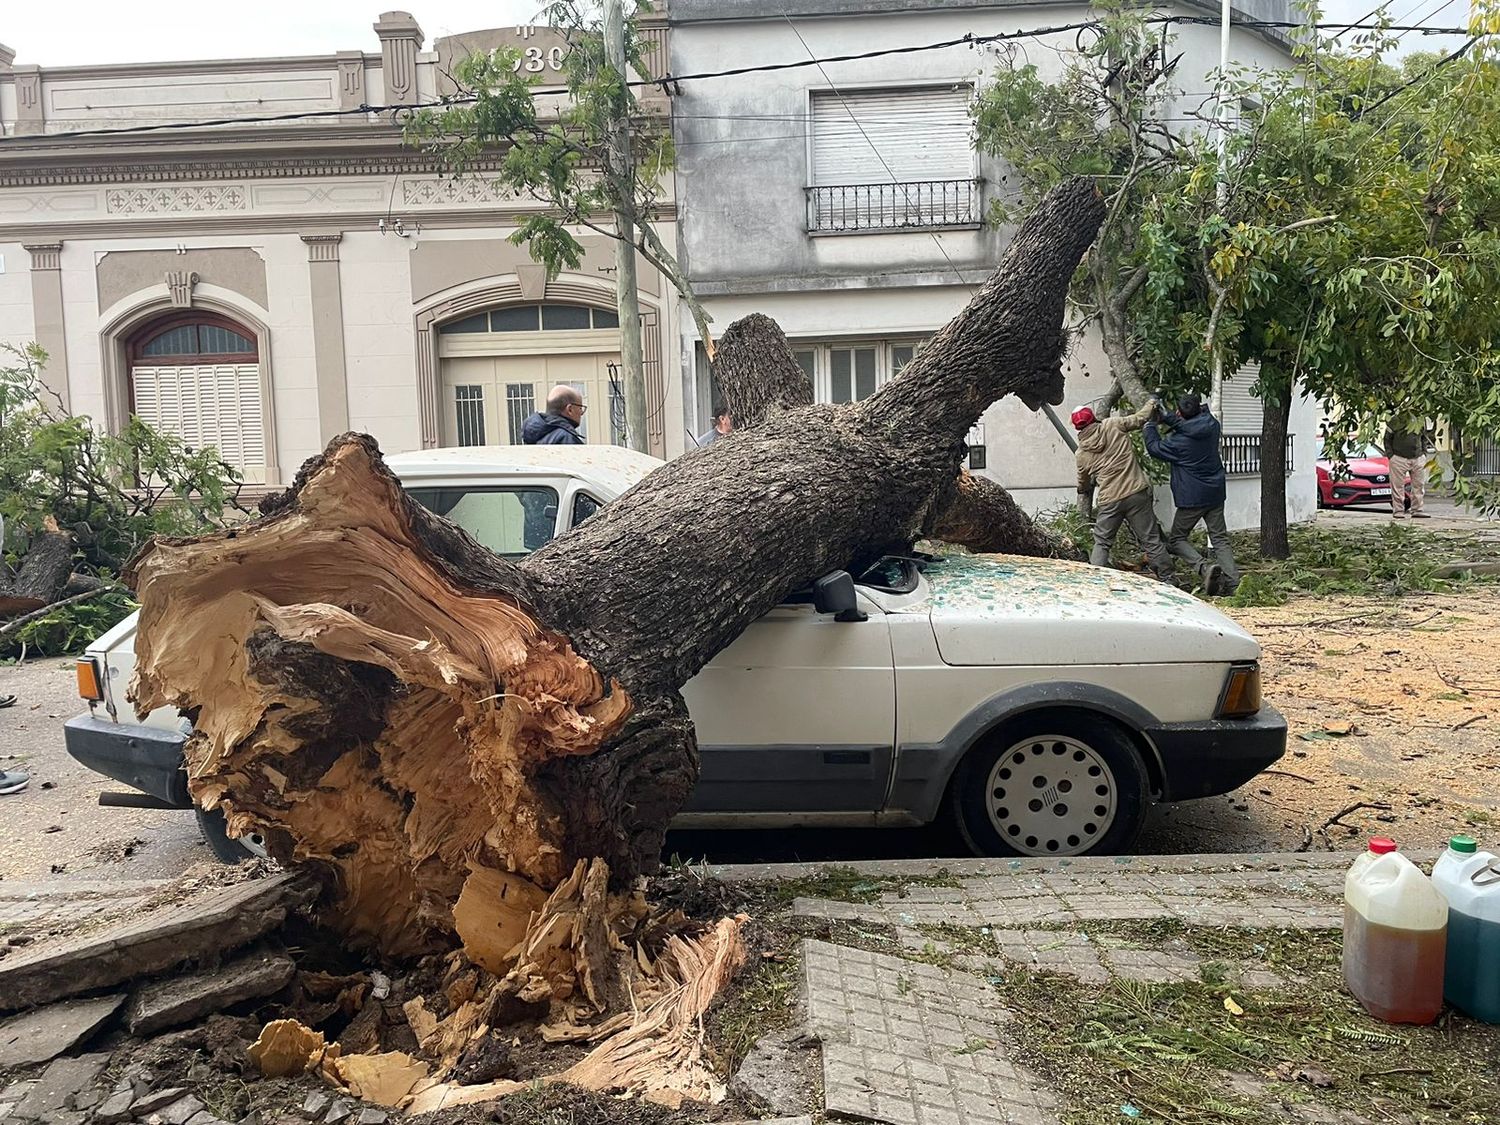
(1191, 447)
(1403, 447)
(559, 426)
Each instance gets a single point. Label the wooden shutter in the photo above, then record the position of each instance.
(900, 136)
(208, 404)
(1241, 411)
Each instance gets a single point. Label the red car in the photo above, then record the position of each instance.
(1364, 478)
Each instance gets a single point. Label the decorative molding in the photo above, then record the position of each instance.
(351, 79)
(156, 201)
(450, 189)
(33, 174)
(400, 40)
(45, 255)
(533, 279)
(180, 285)
(30, 117)
(323, 247)
(248, 224)
(7, 56)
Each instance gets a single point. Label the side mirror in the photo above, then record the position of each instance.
(834, 593)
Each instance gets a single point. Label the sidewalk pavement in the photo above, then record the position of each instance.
(902, 993)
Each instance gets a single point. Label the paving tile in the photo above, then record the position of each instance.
(917, 1063)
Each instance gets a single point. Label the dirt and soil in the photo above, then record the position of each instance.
(1391, 702)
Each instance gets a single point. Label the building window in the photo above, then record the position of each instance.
(520, 404)
(197, 377)
(892, 160)
(469, 403)
(851, 371)
(533, 318)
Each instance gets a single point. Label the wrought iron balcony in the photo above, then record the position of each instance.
(919, 205)
(1241, 453)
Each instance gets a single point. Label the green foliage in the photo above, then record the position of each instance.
(112, 491)
(566, 163)
(72, 628)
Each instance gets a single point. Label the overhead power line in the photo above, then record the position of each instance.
(669, 81)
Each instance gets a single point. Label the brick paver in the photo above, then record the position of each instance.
(914, 1044)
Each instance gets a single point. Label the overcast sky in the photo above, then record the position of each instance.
(75, 32)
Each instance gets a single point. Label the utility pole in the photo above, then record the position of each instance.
(627, 296)
(1221, 194)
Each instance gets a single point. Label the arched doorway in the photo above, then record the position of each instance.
(496, 366)
(196, 375)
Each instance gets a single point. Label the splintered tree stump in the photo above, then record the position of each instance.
(448, 734)
(759, 378)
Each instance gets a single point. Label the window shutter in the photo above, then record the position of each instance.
(207, 404)
(1241, 410)
(901, 136)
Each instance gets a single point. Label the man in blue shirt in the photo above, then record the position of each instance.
(1191, 447)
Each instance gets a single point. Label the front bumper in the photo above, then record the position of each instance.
(145, 758)
(1203, 759)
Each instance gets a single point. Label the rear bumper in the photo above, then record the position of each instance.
(1203, 759)
(145, 758)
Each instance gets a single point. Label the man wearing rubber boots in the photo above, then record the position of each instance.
(1113, 489)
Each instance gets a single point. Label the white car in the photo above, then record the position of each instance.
(1043, 705)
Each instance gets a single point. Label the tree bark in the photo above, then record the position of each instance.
(759, 378)
(43, 574)
(1276, 416)
(385, 698)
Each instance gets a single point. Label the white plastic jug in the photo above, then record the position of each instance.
(1395, 932)
(1470, 880)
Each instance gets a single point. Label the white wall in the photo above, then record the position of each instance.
(379, 338)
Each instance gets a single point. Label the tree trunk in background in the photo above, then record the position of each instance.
(43, 574)
(1275, 420)
(382, 696)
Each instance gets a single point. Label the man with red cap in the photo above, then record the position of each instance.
(1112, 486)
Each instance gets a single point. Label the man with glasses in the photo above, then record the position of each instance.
(559, 426)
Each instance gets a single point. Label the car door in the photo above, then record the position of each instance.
(797, 716)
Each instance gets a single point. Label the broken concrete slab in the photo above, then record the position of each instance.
(179, 1112)
(220, 921)
(116, 1107)
(776, 1076)
(40, 1036)
(184, 999)
(157, 1099)
(62, 1079)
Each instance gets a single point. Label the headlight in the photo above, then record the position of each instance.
(1241, 696)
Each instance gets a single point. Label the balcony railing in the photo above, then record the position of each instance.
(1241, 453)
(920, 205)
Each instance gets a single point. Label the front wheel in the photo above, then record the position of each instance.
(226, 848)
(1055, 784)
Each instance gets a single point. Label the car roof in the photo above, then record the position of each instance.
(610, 467)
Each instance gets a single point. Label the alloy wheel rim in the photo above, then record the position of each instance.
(1051, 795)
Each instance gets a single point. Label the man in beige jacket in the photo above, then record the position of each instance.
(1113, 488)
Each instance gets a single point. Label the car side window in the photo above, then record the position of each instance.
(584, 506)
(509, 521)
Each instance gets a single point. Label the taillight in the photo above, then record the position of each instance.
(1241, 697)
(90, 686)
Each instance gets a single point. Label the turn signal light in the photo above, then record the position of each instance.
(89, 686)
(1241, 697)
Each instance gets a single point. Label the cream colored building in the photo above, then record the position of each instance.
(266, 284)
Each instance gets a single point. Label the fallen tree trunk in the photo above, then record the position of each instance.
(43, 574)
(385, 698)
(759, 378)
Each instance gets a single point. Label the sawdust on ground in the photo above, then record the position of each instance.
(1389, 702)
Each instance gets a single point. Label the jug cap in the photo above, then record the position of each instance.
(1380, 845)
(1465, 844)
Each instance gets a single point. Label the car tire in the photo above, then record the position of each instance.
(1053, 758)
(226, 848)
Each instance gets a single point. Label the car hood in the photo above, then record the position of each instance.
(1001, 609)
(1361, 466)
